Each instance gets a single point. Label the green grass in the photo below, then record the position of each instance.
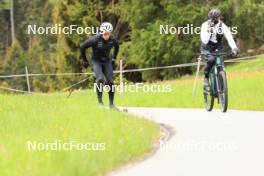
(249, 65)
(45, 118)
(245, 83)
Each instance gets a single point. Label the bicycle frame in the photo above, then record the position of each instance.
(219, 65)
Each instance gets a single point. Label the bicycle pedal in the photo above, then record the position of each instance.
(207, 88)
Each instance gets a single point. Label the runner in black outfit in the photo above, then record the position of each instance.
(102, 64)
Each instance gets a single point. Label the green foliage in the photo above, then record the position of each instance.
(14, 64)
(4, 4)
(250, 21)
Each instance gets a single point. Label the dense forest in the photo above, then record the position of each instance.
(136, 25)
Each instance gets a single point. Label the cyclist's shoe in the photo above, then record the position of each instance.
(206, 82)
(101, 104)
(113, 107)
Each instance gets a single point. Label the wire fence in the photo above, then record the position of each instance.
(120, 71)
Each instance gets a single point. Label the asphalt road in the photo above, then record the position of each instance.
(204, 144)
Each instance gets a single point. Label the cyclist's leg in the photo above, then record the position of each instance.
(210, 60)
(220, 48)
(108, 72)
(98, 70)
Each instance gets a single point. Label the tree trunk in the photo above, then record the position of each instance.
(13, 35)
(7, 38)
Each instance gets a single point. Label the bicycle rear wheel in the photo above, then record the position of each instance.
(223, 92)
(209, 96)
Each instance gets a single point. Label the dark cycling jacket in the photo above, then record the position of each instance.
(100, 48)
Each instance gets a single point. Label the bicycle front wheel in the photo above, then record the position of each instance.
(223, 92)
(209, 96)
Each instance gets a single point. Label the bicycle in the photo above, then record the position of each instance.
(217, 83)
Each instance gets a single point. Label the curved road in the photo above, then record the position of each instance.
(204, 144)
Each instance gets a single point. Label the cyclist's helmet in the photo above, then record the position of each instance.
(214, 13)
(106, 27)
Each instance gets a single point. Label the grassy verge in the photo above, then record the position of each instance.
(46, 118)
(245, 82)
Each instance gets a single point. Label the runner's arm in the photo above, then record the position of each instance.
(86, 44)
(116, 48)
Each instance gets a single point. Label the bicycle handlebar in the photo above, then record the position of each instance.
(216, 53)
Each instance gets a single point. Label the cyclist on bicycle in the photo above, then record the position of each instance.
(102, 64)
(212, 32)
